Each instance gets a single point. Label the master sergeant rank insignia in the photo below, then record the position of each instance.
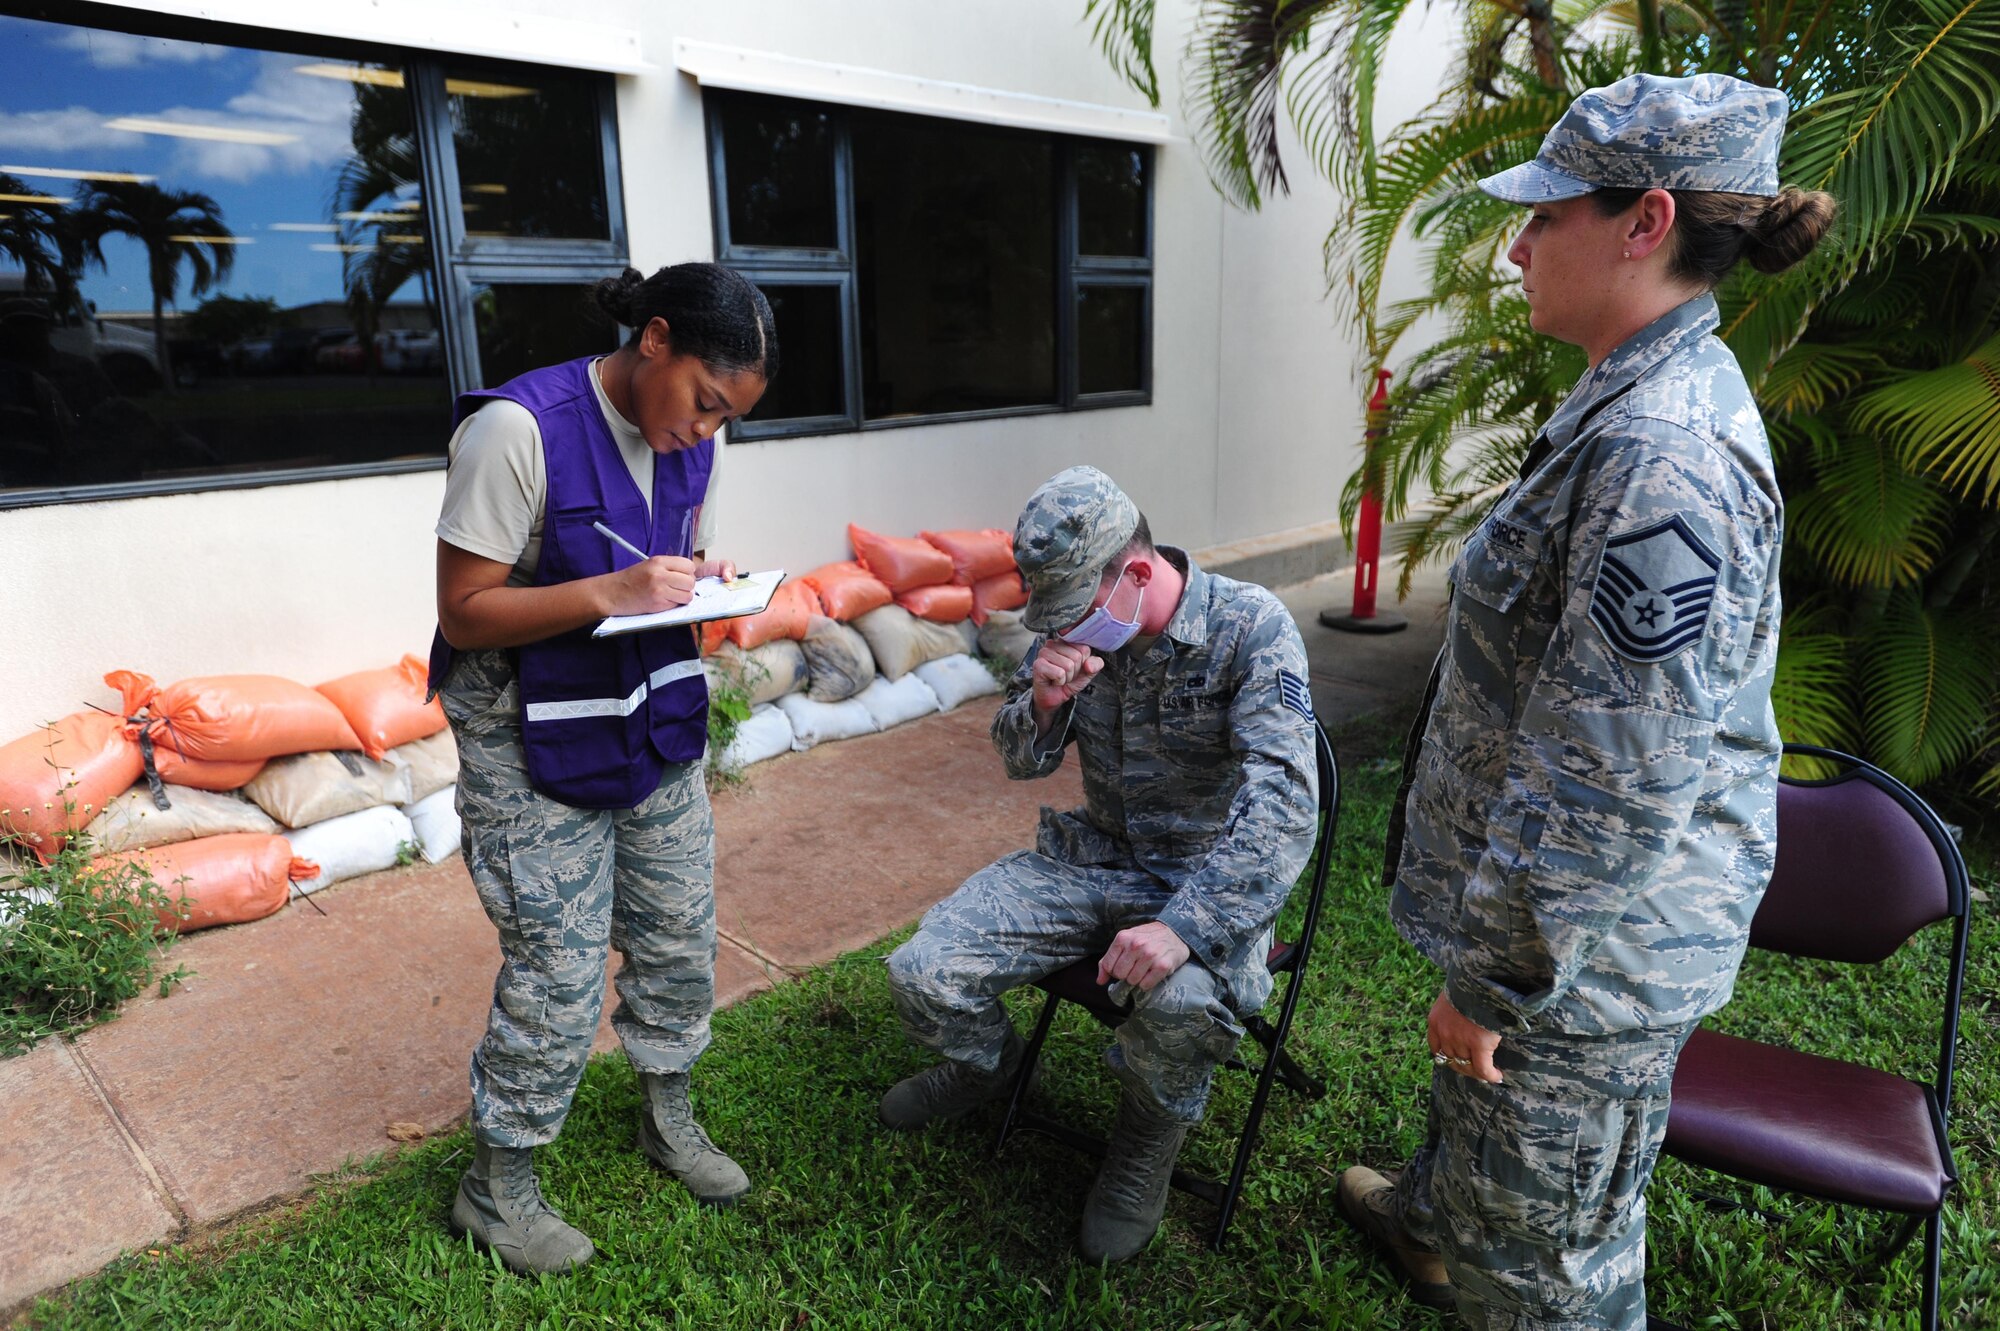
(1654, 589)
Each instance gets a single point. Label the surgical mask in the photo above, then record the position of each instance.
(1102, 631)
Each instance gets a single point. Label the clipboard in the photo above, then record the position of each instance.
(749, 594)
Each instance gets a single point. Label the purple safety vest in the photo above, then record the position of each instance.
(602, 718)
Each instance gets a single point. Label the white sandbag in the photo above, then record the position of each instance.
(837, 660)
(351, 845)
(817, 722)
(308, 788)
(765, 673)
(766, 734)
(132, 821)
(956, 679)
(892, 702)
(968, 636)
(1006, 637)
(900, 642)
(435, 818)
(14, 904)
(432, 762)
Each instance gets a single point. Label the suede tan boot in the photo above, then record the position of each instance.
(671, 1139)
(1364, 1203)
(500, 1204)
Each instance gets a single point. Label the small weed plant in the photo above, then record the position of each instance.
(999, 667)
(77, 938)
(729, 690)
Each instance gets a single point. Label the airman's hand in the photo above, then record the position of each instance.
(659, 583)
(1062, 670)
(1143, 955)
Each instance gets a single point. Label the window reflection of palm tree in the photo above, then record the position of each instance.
(172, 226)
(35, 239)
(381, 242)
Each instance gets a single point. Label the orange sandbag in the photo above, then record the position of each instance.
(56, 779)
(201, 774)
(714, 633)
(975, 555)
(902, 562)
(1004, 592)
(791, 609)
(235, 717)
(386, 707)
(226, 879)
(847, 590)
(946, 604)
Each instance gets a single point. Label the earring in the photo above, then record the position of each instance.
(1628, 254)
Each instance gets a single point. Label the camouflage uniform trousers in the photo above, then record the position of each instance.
(561, 885)
(1026, 916)
(1534, 1190)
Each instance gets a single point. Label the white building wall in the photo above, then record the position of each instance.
(1253, 426)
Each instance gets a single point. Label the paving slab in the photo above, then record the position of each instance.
(830, 849)
(1354, 675)
(73, 1195)
(300, 1038)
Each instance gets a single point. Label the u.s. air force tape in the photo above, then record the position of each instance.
(1654, 589)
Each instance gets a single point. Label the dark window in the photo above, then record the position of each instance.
(521, 326)
(780, 181)
(1110, 200)
(1111, 339)
(922, 267)
(264, 288)
(955, 237)
(810, 383)
(527, 153)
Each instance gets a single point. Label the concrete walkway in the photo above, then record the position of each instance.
(306, 1040)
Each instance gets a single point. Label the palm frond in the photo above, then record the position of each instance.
(1886, 146)
(1439, 155)
(1806, 377)
(1870, 521)
(1947, 418)
(1812, 691)
(1330, 95)
(1235, 89)
(1926, 680)
(1124, 32)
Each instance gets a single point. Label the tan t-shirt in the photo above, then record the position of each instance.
(496, 486)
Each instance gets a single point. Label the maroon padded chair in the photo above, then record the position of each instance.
(1078, 984)
(1862, 865)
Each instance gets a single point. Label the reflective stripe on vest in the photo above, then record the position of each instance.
(632, 702)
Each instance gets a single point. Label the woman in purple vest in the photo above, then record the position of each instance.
(586, 818)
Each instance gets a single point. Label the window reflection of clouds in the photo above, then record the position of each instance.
(68, 91)
(123, 50)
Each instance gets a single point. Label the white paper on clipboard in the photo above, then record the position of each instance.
(749, 594)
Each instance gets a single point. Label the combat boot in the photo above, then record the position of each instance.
(1364, 1202)
(500, 1204)
(672, 1140)
(1130, 1195)
(952, 1089)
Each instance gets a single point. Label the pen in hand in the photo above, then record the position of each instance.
(606, 531)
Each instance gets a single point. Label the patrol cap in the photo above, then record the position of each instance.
(1073, 526)
(1706, 132)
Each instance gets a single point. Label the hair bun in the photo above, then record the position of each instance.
(1787, 229)
(619, 296)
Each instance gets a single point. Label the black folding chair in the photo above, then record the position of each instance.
(1078, 984)
(1863, 864)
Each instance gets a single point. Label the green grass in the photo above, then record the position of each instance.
(850, 1226)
